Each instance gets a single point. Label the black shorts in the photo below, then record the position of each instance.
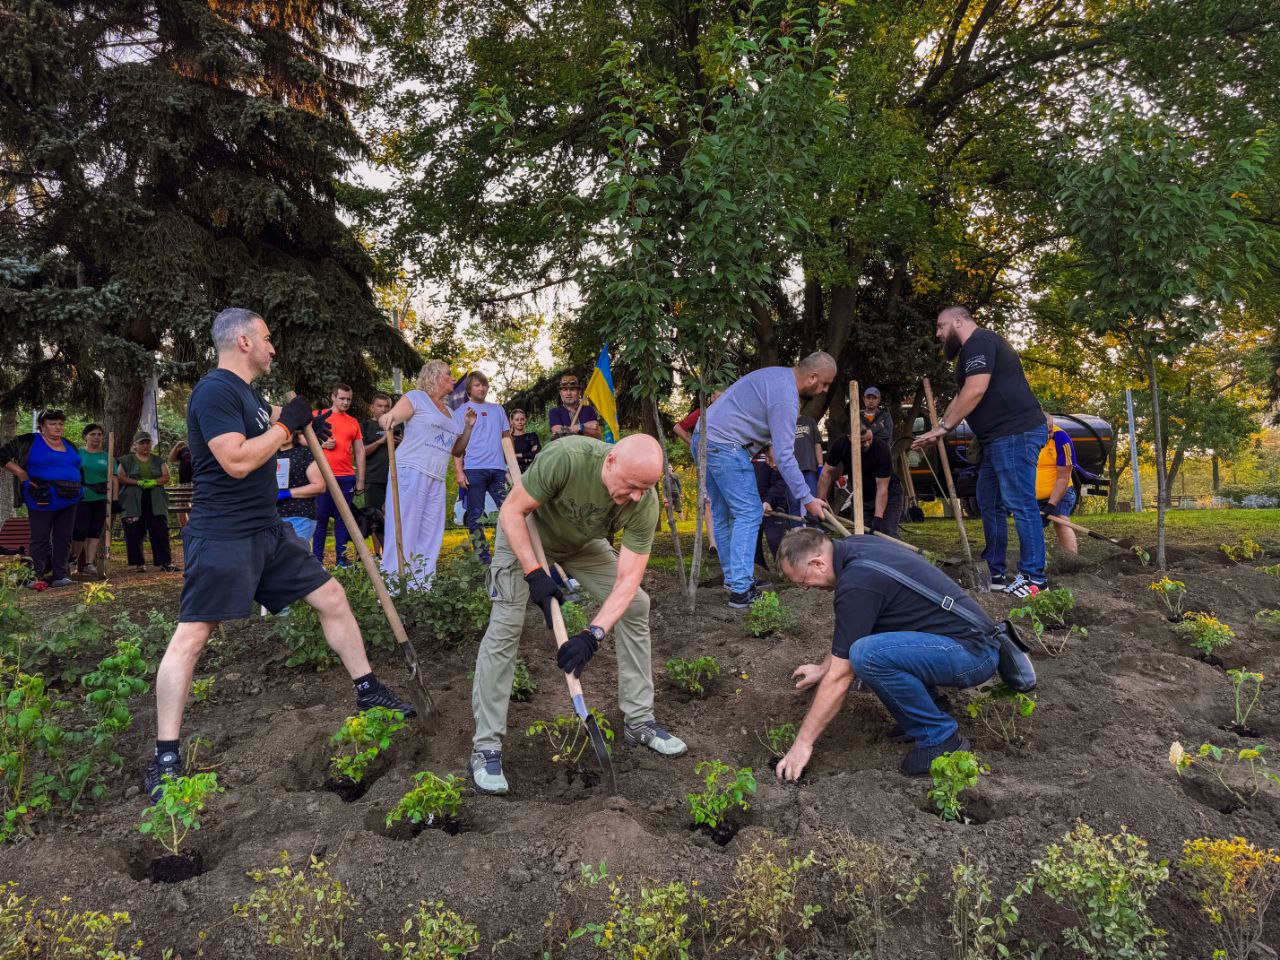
(226, 579)
(90, 516)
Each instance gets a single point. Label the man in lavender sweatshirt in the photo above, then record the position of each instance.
(759, 409)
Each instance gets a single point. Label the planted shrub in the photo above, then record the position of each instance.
(981, 925)
(952, 774)
(177, 813)
(202, 689)
(567, 736)
(726, 790)
(1246, 688)
(301, 913)
(767, 615)
(693, 676)
(870, 887)
(1246, 548)
(1049, 608)
(1106, 881)
(153, 636)
(61, 933)
(432, 798)
(1228, 767)
(434, 932)
(1267, 616)
(118, 678)
(523, 686)
(763, 911)
(456, 608)
(1002, 711)
(1205, 632)
(1172, 593)
(360, 739)
(657, 923)
(778, 740)
(1234, 883)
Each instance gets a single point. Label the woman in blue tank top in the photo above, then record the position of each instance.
(48, 466)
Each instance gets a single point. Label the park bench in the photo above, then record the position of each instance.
(15, 537)
(180, 503)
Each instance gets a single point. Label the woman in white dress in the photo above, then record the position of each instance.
(431, 440)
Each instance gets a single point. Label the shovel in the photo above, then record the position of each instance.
(562, 637)
(834, 523)
(1125, 544)
(418, 691)
(979, 578)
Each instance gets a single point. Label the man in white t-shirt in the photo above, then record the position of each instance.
(483, 469)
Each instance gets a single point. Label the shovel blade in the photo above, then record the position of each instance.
(602, 753)
(418, 692)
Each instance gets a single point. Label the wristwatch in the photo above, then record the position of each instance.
(943, 424)
(596, 632)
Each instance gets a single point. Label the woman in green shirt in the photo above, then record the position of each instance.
(91, 513)
(144, 506)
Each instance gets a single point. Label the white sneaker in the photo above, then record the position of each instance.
(1021, 586)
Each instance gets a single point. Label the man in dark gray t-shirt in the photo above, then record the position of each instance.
(809, 458)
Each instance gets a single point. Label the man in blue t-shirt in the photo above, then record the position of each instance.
(896, 641)
(482, 470)
(573, 417)
(237, 551)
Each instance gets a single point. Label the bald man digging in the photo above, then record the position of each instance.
(580, 491)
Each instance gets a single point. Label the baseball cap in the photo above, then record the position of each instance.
(871, 392)
(569, 380)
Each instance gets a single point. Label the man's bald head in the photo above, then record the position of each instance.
(633, 466)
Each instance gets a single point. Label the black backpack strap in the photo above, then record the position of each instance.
(947, 603)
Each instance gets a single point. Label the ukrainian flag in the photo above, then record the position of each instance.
(601, 396)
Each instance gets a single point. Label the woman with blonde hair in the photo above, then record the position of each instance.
(432, 438)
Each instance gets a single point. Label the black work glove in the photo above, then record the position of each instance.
(577, 653)
(1047, 510)
(542, 590)
(296, 414)
(875, 524)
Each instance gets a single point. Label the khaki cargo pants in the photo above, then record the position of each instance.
(595, 566)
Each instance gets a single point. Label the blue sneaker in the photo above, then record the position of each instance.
(167, 764)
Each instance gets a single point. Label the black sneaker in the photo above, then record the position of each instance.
(167, 764)
(917, 762)
(740, 601)
(380, 695)
(997, 581)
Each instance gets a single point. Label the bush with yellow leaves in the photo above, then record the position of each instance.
(1234, 883)
(60, 933)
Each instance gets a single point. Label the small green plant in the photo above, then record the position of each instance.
(1143, 556)
(952, 774)
(153, 636)
(60, 642)
(360, 739)
(432, 797)
(1172, 593)
(60, 933)
(767, 615)
(1050, 608)
(656, 923)
(778, 740)
(870, 887)
(1242, 682)
(1234, 882)
(575, 618)
(202, 689)
(301, 913)
(981, 925)
(523, 686)
(434, 932)
(177, 813)
(764, 911)
(693, 676)
(1207, 633)
(1271, 571)
(1107, 882)
(726, 789)
(567, 736)
(1002, 711)
(1246, 548)
(31, 734)
(118, 678)
(1267, 616)
(1228, 768)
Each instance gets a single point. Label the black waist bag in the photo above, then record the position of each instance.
(66, 489)
(98, 488)
(1015, 666)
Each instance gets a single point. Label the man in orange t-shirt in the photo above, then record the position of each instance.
(345, 453)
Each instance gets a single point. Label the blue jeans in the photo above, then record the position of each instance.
(480, 482)
(906, 668)
(793, 505)
(304, 527)
(326, 508)
(1007, 485)
(735, 510)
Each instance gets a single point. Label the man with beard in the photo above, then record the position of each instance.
(1006, 418)
(759, 409)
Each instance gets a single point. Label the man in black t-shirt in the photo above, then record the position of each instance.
(236, 550)
(881, 488)
(896, 641)
(1005, 416)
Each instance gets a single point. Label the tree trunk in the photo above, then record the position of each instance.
(1174, 467)
(1214, 481)
(766, 333)
(123, 408)
(8, 430)
(1162, 482)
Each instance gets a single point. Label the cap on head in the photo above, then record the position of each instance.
(569, 382)
(140, 436)
(872, 391)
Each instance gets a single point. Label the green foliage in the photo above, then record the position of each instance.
(1246, 548)
(870, 887)
(657, 923)
(1229, 768)
(778, 740)
(952, 774)
(361, 738)
(1242, 681)
(177, 812)
(575, 618)
(767, 615)
(431, 797)
(1050, 608)
(30, 733)
(202, 689)
(567, 736)
(1267, 616)
(118, 678)
(1107, 882)
(1002, 711)
(455, 610)
(1207, 633)
(980, 924)
(153, 636)
(693, 676)
(1234, 883)
(726, 789)
(1271, 571)
(1172, 593)
(764, 910)
(60, 933)
(59, 642)
(523, 686)
(434, 932)
(301, 913)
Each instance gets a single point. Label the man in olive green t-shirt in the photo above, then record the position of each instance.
(580, 492)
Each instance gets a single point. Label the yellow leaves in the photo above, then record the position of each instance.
(97, 593)
(1179, 757)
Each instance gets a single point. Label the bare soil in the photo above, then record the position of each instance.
(1097, 749)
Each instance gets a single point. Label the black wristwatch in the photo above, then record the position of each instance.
(596, 632)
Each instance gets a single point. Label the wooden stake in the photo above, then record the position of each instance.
(104, 541)
(395, 499)
(946, 472)
(855, 456)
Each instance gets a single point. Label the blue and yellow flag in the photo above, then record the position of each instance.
(600, 395)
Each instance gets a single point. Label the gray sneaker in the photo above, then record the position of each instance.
(486, 772)
(63, 582)
(649, 734)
